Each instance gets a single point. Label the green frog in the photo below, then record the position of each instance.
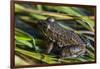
(68, 42)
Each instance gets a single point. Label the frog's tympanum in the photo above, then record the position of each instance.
(68, 42)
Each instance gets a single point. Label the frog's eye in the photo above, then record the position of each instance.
(50, 19)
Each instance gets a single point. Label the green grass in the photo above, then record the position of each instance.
(29, 46)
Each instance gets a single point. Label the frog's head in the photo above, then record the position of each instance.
(45, 24)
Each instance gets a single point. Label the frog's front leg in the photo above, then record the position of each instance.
(49, 47)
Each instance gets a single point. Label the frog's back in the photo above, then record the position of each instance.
(63, 36)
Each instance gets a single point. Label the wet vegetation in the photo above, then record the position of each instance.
(29, 44)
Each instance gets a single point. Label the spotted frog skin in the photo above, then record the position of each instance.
(69, 43)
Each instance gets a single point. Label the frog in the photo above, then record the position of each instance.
(68, 42)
